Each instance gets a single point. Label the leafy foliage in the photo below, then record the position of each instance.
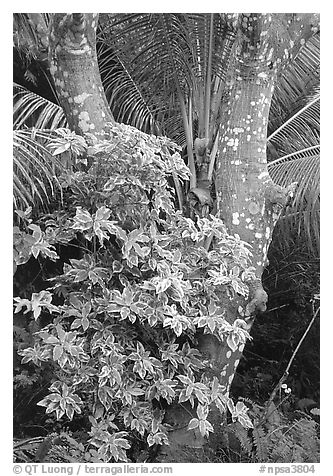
(35, 169)
(34, 110)
(123, 317)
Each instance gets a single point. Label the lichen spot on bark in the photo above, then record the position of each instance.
(84, 120)
(263, 174)
(53, 68)
(262, 75)
(238, 130)
(224, 370)
(235, 218)
(264, 249)
(81, 98)
(253, 208)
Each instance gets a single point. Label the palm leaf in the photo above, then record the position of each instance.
(301, 128)
(140, 66)
(150, 62)
(35, 169)
(33, 110)
(297, 82)
(302, 167)
(293, 142)
(303, 214)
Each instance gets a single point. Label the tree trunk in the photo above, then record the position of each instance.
(74, 67)
(248, 201)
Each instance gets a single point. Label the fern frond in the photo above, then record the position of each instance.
(261, 444)
(242, 436)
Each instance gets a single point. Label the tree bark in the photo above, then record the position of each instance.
(248, 201)
(74, 67)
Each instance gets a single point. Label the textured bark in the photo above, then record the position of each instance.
(247, 199)
(74, 67)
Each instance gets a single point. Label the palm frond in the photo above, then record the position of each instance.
(151, 63)
(299, 81)
(141, 62)
(293, 142)
(124, 95)
(302, 167)
(32, 110)
(35, 169)
(301, 128)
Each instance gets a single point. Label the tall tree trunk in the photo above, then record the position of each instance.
(248, 201)
(74, 67)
